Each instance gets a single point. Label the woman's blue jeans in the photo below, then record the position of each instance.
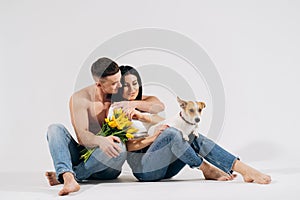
(169, 153)
(65, 152)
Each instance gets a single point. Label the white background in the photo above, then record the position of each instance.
(255, 46)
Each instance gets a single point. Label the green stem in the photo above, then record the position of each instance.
(120, 131)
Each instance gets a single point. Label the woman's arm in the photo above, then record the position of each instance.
(146, 117)
(133, 145)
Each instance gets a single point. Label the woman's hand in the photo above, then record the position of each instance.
(137, 144)
(158, 130)
(125, 105)
(134, 114)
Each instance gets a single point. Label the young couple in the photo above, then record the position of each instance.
(153, 158)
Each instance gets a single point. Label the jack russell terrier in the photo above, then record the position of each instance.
(187, 120)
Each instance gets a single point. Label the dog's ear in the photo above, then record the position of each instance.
(203, 104)
(181, 102)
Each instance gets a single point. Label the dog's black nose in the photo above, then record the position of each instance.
(197, 119)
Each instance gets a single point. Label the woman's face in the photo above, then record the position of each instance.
(131, 87)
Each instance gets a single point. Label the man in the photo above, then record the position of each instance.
(88, 108)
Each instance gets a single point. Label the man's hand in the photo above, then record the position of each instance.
(108, 145)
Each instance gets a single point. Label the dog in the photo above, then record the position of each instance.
(187, 120)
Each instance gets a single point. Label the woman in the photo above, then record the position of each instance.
(165, 153)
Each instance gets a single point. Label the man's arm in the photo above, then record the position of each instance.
(150, 104)
(80, 122)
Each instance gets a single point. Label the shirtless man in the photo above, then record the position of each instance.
(88, 108)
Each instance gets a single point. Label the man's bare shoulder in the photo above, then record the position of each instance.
(82, 96)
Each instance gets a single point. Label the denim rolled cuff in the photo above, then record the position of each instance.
(196, 163)
(227, 165)
(214, 154)
(231, 170)
(221, 159)
(59, 175)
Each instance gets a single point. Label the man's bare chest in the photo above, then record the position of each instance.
(98, 112)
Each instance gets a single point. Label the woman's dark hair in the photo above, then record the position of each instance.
(126, 70)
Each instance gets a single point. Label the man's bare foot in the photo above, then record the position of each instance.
(70, 184)
(51, 176)
(212, 173)
(250, 174)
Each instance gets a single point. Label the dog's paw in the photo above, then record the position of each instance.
(185, 137)
(196, 134)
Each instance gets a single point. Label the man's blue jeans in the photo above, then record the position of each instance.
(65, 152)
(169, 153)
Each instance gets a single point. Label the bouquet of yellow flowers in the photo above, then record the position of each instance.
(117, 125)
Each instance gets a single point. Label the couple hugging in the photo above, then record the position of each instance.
(158, 156)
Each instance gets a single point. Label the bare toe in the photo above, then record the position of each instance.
(258, 178)
(265, 179)
(52, 180)
(224, 178)
(248, 179)
(250, 174)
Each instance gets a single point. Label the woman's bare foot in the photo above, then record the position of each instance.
(51, 176)
(212, 173)
(250, 174)
(70, 184)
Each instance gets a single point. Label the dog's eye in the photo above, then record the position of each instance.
(191, 110)
(199, 110)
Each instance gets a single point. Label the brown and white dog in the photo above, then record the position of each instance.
(187, 120)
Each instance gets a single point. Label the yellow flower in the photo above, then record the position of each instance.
(129, 135)
(122, 121)
(131, 130)
(118, 125)
(121, 124)
(117, 112)
(112, 124)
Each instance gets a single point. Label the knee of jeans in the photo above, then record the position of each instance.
(206, 142)
(121, 157)
(55, 130)
(123, 153)
(122, 146)
(205, 145)
(172, 133)
(200, 139)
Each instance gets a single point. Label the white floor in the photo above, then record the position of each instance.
(188, 183)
